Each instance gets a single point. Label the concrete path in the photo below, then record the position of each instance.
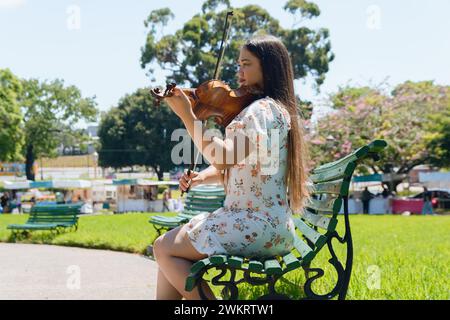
(29, 271)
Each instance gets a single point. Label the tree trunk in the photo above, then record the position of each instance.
(29, 163)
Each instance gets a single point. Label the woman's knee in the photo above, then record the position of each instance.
(158, 245)
(164, 243)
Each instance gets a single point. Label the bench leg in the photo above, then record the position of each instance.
(306, 269)
(343, 280)
(17, 235)
(349, 259)
(158, 232)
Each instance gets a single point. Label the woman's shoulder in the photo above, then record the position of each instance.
(258, 106)
(262, 102)
(269, 108)
(263, 110)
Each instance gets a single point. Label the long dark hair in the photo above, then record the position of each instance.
(278, 78)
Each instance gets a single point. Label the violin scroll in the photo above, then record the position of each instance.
(156, 93)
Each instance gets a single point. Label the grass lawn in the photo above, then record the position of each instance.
(395, 257)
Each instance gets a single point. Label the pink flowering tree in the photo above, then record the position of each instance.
(403, 117)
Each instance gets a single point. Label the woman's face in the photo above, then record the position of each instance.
(250, 71)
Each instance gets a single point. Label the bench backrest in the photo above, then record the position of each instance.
(58, 213)
(204, 198)
(329, 188)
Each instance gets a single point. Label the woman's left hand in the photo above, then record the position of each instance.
(180, 103)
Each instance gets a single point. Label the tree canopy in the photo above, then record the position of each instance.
(190, 54)
(11, 134)
(50, 109)
(138, 133)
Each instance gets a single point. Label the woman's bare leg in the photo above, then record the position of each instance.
(174, 254)
(165, 290)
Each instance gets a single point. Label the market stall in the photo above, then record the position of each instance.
(141, 195)
(63, 191)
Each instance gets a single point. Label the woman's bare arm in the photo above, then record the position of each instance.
(210, 175)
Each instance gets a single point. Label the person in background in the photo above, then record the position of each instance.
(385, 192)
(4, 200)
(366, 196)
(387, 196)
(166, 201)
(19, 201)
(427, 205)
(152, 195)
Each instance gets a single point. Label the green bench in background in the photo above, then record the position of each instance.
(329, 189)
(205, 198)
(54, 218)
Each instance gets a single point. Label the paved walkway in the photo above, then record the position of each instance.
(29, 271)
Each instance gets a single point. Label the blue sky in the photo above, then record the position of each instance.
(372, 40)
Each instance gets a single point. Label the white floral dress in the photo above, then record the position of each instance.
(256, 220)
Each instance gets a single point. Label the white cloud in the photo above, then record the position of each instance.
(11, 4)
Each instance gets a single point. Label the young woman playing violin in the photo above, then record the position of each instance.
(256, 217)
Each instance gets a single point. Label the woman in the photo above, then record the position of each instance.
(256, 217)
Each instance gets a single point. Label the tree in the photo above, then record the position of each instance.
(190, 54)
(138, 133)
(438, 138)
(401, 117)
(50, 110)
(11, 134)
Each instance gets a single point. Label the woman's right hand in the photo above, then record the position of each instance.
(190, 181)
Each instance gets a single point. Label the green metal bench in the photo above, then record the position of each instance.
(54, 218)
(329, 189)
(206, 198)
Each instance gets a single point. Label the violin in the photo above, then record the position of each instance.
(214, 99)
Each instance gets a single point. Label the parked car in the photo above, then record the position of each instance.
(440, 198)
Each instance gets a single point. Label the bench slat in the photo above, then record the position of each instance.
(168, 224)
(305, 251)
(199, 265)
(344, 170)
(291, 262)
(315, 237)
(191, 281)
(255, 265)
(202, 208)
(207, 193)
(352, 157)
(27, 226)
(320, 220)
(272, 266)
(235, 261)
(167, 219)
(209, 203)
(338, 187)
(329, 204)
(218, 259)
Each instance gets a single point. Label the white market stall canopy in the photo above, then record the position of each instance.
(52, 184)
(143, 182)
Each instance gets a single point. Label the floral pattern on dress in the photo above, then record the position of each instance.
(255, 220)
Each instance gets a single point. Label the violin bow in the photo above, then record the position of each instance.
(226, 31)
